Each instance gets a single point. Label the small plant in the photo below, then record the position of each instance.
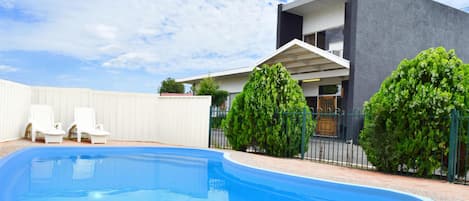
(267, 114)
(407, 120)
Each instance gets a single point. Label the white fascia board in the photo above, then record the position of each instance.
(216, 74)
(294, 4)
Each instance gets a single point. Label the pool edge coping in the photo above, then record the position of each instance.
(227, 156)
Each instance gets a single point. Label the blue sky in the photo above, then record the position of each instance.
(132, 45)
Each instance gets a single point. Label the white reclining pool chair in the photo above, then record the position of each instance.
(41, 122)
(85, 124)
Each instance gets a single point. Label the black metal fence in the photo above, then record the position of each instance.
(335, 141)
(458, 156)
(331, 142)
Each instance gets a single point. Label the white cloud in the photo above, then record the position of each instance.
(104, 32)
(160, 37)
(455, 3)
(7, 4)
(156, 36)
(7, 69)
(131, 60)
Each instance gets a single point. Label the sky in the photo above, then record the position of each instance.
(123, 45)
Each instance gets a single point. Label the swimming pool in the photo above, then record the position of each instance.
(149, 173)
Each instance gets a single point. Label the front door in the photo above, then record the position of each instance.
(327, 123)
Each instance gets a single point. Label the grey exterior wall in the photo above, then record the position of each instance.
(289, 27)
(383, 32)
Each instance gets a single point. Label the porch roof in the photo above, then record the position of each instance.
(302, 58)
(303, 61)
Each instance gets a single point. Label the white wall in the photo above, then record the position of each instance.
(326, 18)
(232, 84)
(14, 109)
(128, 116)
(310, 89)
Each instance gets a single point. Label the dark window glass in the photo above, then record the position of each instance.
(311, 39)
(328, 89)
(312, 103)
(340, 107)
(321, 40)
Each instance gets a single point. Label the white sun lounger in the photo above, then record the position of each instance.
(41, 122)
(85, 124)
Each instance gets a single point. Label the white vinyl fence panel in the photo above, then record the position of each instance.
(128, 116)
(179, 117)
(14, 109)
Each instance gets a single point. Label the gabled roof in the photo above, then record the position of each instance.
(301, 59)
(296, 54)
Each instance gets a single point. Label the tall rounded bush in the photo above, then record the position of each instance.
(407, 120)
(259, 118)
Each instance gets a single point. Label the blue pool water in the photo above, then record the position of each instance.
(172, 174)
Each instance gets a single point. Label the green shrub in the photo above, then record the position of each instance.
(407, 120)
(257, 117)
(217, 121)
(171, 86)
(208, 86)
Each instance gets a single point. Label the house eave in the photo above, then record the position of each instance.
(230, 72)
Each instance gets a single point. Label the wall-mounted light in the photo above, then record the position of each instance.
(312, 80)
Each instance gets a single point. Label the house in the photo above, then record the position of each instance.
(341, 50)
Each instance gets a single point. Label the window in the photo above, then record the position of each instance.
(334, 37)
(321, 40)
(311, 39)
(331, 39)
(328, 90)
(312, 103)
(317, 39)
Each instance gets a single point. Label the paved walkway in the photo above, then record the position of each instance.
(436, 189)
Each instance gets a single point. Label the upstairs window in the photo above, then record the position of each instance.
(317, 39)
(311, 39)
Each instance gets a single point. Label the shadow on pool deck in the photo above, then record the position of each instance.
(434, 189)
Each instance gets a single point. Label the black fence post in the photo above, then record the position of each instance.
(303, 130)
(453, 144)
(210, 127)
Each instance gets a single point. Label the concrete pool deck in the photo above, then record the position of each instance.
(438, 190)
